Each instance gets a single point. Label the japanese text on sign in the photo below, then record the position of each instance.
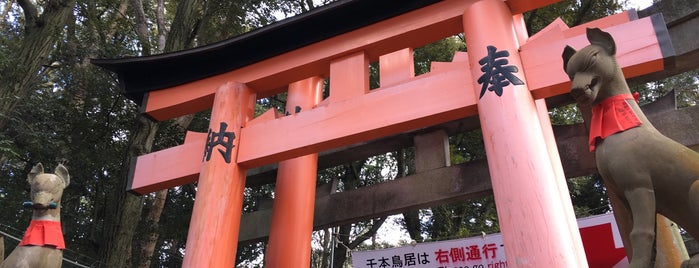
(463, 253)
(600, 237)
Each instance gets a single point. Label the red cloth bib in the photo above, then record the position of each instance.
(610, 116)
(44, 233)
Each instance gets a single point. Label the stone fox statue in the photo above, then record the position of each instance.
(43, 244)
(649, 172)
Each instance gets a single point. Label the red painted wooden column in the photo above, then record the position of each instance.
(213, 230)
(294, 196)
(552, 149)
(533, 220)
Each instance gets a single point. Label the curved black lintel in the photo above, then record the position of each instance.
(140, 75)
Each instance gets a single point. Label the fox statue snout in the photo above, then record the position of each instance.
(584, 89)
(46, 188)
(592, 68)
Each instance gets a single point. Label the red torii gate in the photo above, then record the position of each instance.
(526, 173)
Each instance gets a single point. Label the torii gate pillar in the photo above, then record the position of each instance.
(294, 198)
(213, 230)
(533, 220)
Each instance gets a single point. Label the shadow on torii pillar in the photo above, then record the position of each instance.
(504, 78)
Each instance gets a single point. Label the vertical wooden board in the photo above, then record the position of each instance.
(349, 77)
(431, 151)
(396, 67)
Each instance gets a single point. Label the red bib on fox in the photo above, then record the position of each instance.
(610, 116)
(44, 233)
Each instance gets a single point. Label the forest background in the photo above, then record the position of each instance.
(56, 107)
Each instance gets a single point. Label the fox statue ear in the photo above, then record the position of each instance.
(62, 172)
(36, 170)
(567, 53)
(602, 39)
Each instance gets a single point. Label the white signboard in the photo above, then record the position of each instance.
(487, 252)
(601, 241)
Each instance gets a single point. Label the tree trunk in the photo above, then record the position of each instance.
(121, 221)
(327, 243)
(413, 225)
(162, 29)
(119, 232)
(411, 218)
(141, 27)
(342, 237)
(185, 25)
(152, 223)
(344, 244)
(23, 68)
(156, 210)
(123, 6)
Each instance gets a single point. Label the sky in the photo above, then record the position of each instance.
(639, 4)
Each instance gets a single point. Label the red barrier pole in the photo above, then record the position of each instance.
(213, 230)
(532, 218)
(294, 196)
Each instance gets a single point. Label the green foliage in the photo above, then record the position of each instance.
(572, 12)
(440, 51)
(86, 131)
(565, 115)
(468, 219)
(684, 85)
(466, 147)
(589, 195)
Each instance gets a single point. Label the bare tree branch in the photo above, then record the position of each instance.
(8, 7)
(30, 13)
(585, 8)
(368, 234)
(162, 28)
(141, 26)
(310, 5)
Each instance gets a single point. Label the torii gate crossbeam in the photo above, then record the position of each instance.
(526, 173)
